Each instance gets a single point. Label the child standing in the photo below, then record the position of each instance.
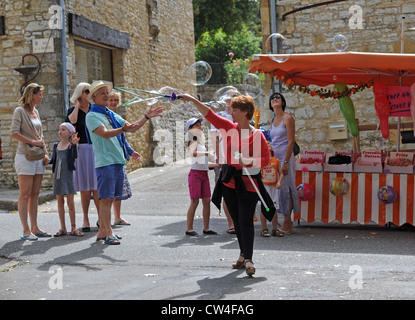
(198, 179)
(272, 176)
(63, 164)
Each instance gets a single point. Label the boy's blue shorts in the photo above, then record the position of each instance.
(110, 181)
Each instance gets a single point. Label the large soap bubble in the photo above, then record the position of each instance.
(199, 73)
(340, 43)
(278, 44)
(252, 85)
(226, 93)
(150, 102)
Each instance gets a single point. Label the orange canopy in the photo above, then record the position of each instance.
(323, 69)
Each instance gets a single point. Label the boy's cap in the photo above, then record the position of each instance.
(191, 122)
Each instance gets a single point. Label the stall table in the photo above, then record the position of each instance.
(361, 203)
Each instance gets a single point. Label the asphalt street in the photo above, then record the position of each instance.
(156, 261)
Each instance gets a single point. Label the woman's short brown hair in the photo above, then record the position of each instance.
(244, 103)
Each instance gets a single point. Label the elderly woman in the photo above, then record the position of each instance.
(26, 128)
(239, 193)
(85, 179)
(282, 142)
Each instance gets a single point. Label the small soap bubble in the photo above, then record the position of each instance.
(340, 43)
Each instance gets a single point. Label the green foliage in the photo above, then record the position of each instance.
(228, 15)
(215, 46)
(236, 70)
(224, 26)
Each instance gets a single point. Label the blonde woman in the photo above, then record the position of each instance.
(26, 128)
(113, 103)
(85, 180)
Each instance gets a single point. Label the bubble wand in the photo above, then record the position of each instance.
(156, 95)
(239, 156)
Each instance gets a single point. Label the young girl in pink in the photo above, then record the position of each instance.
(198, 179)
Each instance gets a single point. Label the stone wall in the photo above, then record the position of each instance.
(312, 31)
(161, 48)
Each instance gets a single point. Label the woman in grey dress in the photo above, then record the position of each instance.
(282, 142)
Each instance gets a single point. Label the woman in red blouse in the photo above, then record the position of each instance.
(239, 137)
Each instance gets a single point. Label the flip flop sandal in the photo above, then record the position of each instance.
(29, 237)
(43, 235)
(122, 222)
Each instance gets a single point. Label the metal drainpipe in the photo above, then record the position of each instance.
(273, 13)
(64, 70)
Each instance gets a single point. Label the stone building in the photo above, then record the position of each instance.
(369, 26)
(144, 44)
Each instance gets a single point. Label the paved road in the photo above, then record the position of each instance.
(157, 261)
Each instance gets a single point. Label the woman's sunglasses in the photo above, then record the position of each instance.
(37, 89)
(276, 97)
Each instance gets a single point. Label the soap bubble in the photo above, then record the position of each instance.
(199, 73)
(155, 100)
(340, 43)
(222, 96)
(278, 44)
(168, 91)
(226, 93)
(252, 85)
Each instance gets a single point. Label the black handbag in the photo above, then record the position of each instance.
(296, 149)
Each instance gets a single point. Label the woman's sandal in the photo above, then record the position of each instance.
(239, 264)
(277, 233)
(77, 233)
(112, 241)
(250, 270)
(265, 233)
(60, 233)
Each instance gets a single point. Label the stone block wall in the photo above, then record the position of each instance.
(161, 48)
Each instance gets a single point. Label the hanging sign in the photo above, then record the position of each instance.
(399, 101)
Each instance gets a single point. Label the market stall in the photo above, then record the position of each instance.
(372, 187)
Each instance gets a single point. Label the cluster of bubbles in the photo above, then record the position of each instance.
(200, 72)
(277, 46)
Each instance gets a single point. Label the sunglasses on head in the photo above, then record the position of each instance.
(37, 89)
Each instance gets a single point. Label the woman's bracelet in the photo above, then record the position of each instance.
(146, 116)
